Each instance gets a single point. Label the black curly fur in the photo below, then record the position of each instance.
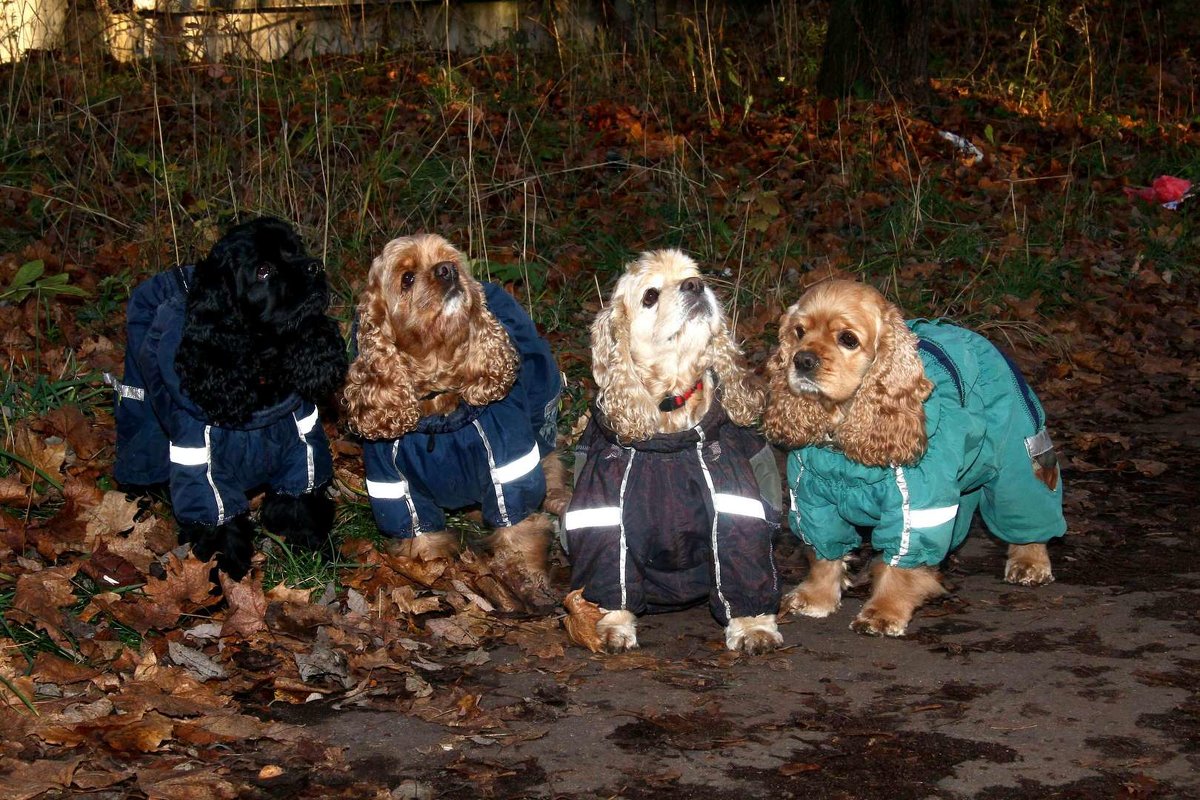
(255, 332)
(249, 341)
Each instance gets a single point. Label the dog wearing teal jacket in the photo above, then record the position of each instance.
(905, 429)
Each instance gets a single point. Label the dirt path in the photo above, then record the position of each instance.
(1087, 688)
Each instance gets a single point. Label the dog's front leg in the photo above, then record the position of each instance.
(232, 542)
(819, 594)
(897, 593)
(617, 631)
(753, 635)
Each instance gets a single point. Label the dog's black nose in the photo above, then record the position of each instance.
(806, 361)
(445, 271)
(692, 285)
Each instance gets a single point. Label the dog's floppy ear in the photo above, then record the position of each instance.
(379, 398)
(741, 393)
(885, 425)
(215, 360)
(620, 394)
(790, 420)
(492, 360)
(316, 361)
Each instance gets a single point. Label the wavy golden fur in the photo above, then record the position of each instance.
(662, 330)
(425, 339)
(847, 372)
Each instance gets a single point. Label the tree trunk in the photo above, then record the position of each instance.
(877, 48)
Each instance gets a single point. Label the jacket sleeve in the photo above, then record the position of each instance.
(814, 515)
(596, 540)
(921, 503)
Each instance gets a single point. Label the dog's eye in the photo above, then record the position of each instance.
(406, 280)
(799, 331)
(264, 271)
(847, 340)
(650, 298)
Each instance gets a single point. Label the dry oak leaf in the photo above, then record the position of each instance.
(46, 456)
(69, 423)
(186, 587)
(199, 784)
(213, 728)
(40, 595)
(581, 620)
(113, 514)
(247, 606)
(24, 780)
(142, 736)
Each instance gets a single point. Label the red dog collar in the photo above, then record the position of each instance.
(675, 401)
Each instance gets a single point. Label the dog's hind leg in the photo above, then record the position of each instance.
(304, 520)
(520, 558)
(1028, 565)
(232, 542)
(558, 494)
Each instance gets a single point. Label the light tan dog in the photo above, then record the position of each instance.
(457, 396)
(667, 510)
(904, 428)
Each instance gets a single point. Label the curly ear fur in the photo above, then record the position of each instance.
(885, 425)
(791, 420)
(379, 398)
(492, 361)
(741, 391)
(628, 407)
(216, 361)
(314, 361)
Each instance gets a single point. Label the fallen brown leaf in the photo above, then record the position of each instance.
(581, 620)
(247, 606)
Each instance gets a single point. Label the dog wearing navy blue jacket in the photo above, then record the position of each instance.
(456, 397)
(225, 364)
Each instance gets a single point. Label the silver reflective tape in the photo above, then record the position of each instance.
(1038, 443)
(932, 517)
(306, 425)
(126, 392)
(741, 506)
(605, 517)
(387, 490)
(517, 469)
(189, 456)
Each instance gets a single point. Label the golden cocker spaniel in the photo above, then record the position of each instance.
(905, 429)
(456, 395)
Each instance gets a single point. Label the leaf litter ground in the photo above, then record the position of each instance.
(124, 676)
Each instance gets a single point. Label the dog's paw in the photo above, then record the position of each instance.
(618, 631)
(425, 546)
(753, 635)
(874, 623)
(804, 601)
(1028, 565)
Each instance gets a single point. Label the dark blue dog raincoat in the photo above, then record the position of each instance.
(163, 436)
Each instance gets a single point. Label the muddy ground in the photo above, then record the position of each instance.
(1086, 688)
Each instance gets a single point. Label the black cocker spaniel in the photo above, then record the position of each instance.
(226, 364)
